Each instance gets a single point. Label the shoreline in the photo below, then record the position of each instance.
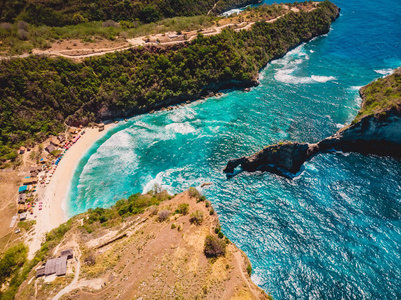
(54, 195)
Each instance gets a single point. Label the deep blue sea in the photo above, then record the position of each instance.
(334, 232)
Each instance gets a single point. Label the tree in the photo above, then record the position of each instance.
(196, 218)
(214, 247)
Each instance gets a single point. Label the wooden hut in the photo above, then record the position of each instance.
(69, 253)
(21, 198)
(50, 148)
(56, 266)
(40, 272)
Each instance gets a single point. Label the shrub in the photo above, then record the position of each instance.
(249, 269)
(202, 198)
(214, 247)
(90, 259)
(211, 212)
(217, 230)
(173, 226)
(163, 215)
(183, 208)
(194, 193)
(220, 235)
(111, 23)
(196, 218)
(207, 203)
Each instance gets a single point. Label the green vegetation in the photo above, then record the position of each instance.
(12, 260)
(135, 204)
(214, 247)
(196, 218)
(249, 269)
(69, 12)
(381, 95)
(26, 225)
(40, 94)
(183, 208)
(22, 37)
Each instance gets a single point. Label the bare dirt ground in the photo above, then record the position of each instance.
(9, 183)
(151, 260)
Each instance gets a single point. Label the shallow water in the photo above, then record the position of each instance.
(334, 232)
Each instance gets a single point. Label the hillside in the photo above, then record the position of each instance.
(61, 13)
(41, 94)
(131, 251)
(381, 95)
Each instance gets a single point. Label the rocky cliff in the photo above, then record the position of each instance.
(377, 132)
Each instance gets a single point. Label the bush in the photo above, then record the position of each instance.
(183, 208)
(153, 210)
(163, 215)
(202, 198)
(173, 226)
(194, 193)
(90, 259)
(196, 218)
(111, 23)
(249, 269)
(220, 235)
(207, 203)
(214, 247)
(211, 212)
(217, 230)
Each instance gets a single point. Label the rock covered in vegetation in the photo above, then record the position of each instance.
(375, 130)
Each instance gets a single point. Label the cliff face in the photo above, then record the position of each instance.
(378, 133)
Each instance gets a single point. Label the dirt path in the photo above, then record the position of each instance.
(141, 41)
(72, 285)
(238, 258)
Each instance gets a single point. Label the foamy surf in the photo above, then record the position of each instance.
(385, 72)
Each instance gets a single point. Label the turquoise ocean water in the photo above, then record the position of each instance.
(334, 232)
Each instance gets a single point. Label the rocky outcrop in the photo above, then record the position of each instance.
(378, 134)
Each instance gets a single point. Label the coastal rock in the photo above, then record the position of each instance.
(378, 134)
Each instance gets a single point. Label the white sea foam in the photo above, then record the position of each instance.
(311, 51)
(182, 128)
(339, 126)
(182, 114)
(155, 181)
(323, 78)
(356, 87)
(291, 62)
(385, 72)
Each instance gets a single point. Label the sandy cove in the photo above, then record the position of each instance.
(54, 195)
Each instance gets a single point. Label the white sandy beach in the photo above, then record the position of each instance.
(54, 194)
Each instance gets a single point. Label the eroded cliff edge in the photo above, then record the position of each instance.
(375, 130)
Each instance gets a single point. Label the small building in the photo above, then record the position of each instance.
(101, 127)
(61, 138)
(40, 272)
(56, 266)
(22, 189)
(55, 143)
(22, 217)
(34, 169)
(69, 253)
(50, 148)
(30, 180)
(21, 208)
(73, 130)
(21, 198)
(21, 150)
